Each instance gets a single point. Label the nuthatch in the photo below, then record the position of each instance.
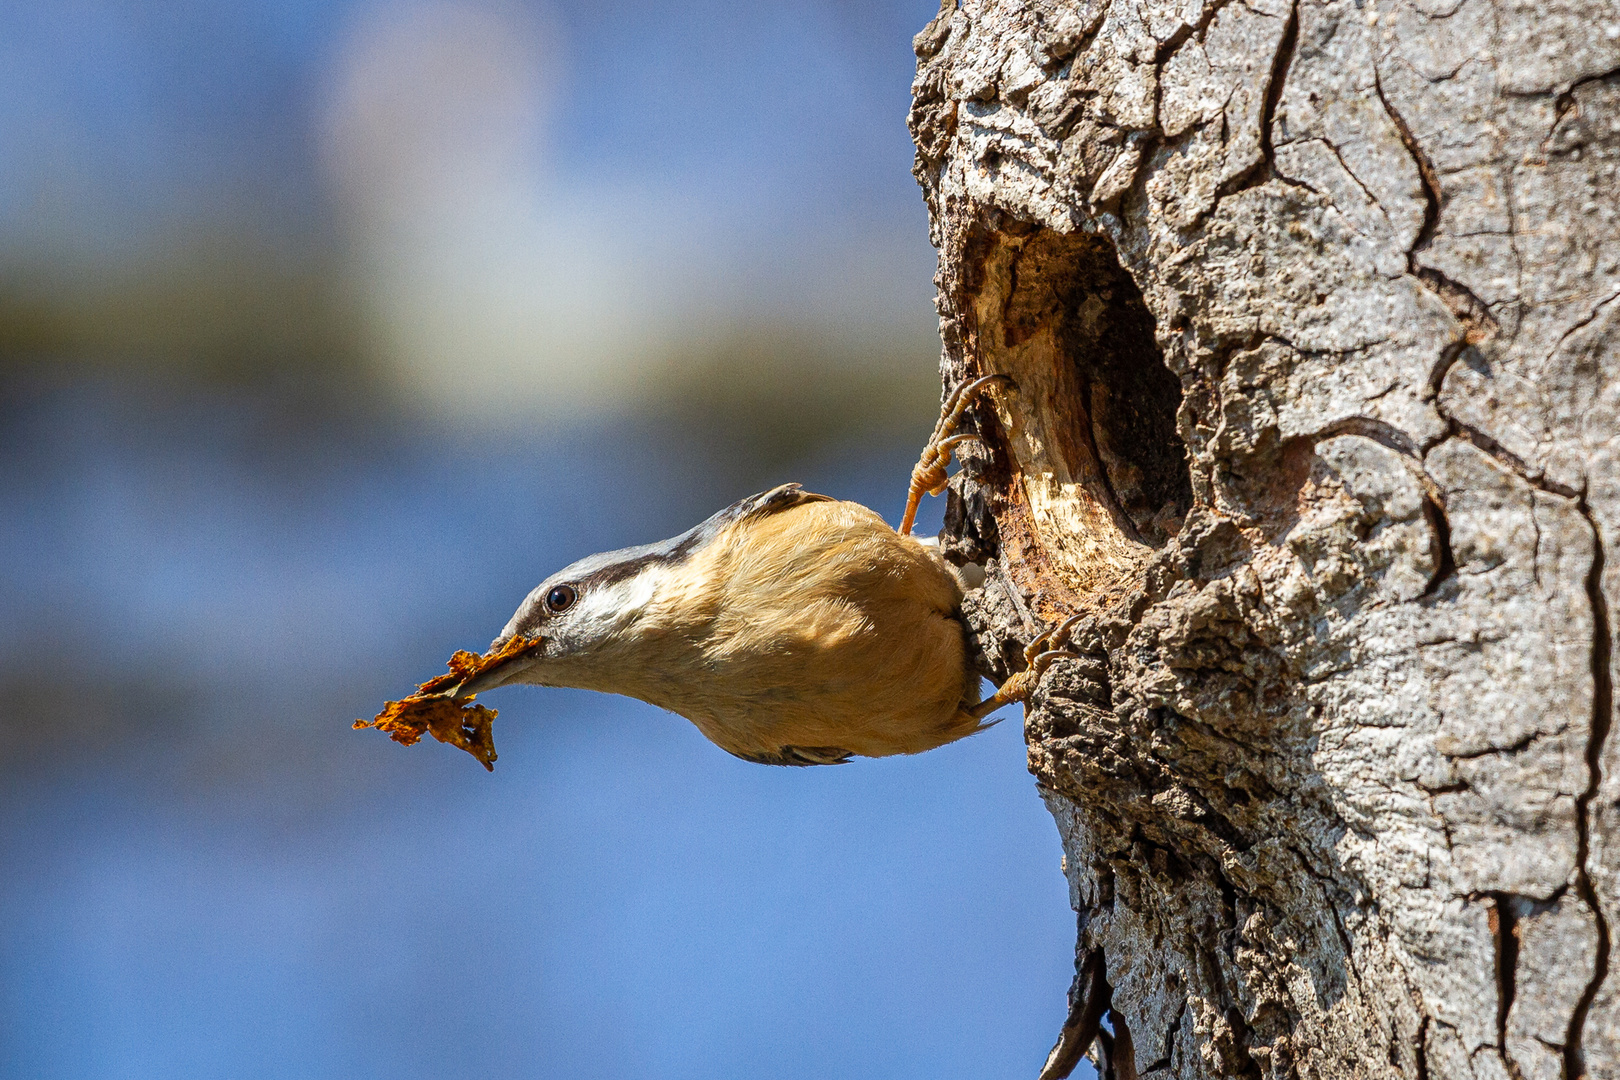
(791, 628)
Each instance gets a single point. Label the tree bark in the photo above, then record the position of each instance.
(1314, 314)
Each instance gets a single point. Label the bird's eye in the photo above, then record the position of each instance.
(560, 599)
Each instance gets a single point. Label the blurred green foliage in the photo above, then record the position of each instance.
(223, 311)
(234, 314)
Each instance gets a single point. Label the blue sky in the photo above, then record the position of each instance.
(206, 873)
(230, 882)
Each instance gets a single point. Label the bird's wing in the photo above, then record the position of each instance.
(765, 503)
(627, 560)
(797, 755)
(770, 502)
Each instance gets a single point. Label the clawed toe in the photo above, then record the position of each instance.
(929, 475)
(1038, 656)
(1049, 646)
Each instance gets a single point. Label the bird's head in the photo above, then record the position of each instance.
(599, 622)
(632, 621)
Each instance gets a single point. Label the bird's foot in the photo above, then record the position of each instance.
(1038, 656)
(929, 476)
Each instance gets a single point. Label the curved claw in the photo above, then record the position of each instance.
(1038, 656)
(1054, 639)
(928, 477)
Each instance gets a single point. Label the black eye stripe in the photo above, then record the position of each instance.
(560, 599)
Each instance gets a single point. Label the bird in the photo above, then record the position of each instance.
(791, 628)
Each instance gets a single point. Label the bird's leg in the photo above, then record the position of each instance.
(1038, 656)
(928, 477)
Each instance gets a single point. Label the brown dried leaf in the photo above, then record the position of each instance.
(454, 720)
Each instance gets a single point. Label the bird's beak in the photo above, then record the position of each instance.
(501, 665)
(493, 676)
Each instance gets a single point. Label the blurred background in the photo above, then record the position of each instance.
(326, 331)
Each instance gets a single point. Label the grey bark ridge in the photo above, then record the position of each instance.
(1314, 311)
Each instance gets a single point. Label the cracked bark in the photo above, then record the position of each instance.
(1312, 311)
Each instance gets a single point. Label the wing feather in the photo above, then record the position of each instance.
(798, 755)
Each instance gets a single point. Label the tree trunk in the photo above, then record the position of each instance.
(1314, 315)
